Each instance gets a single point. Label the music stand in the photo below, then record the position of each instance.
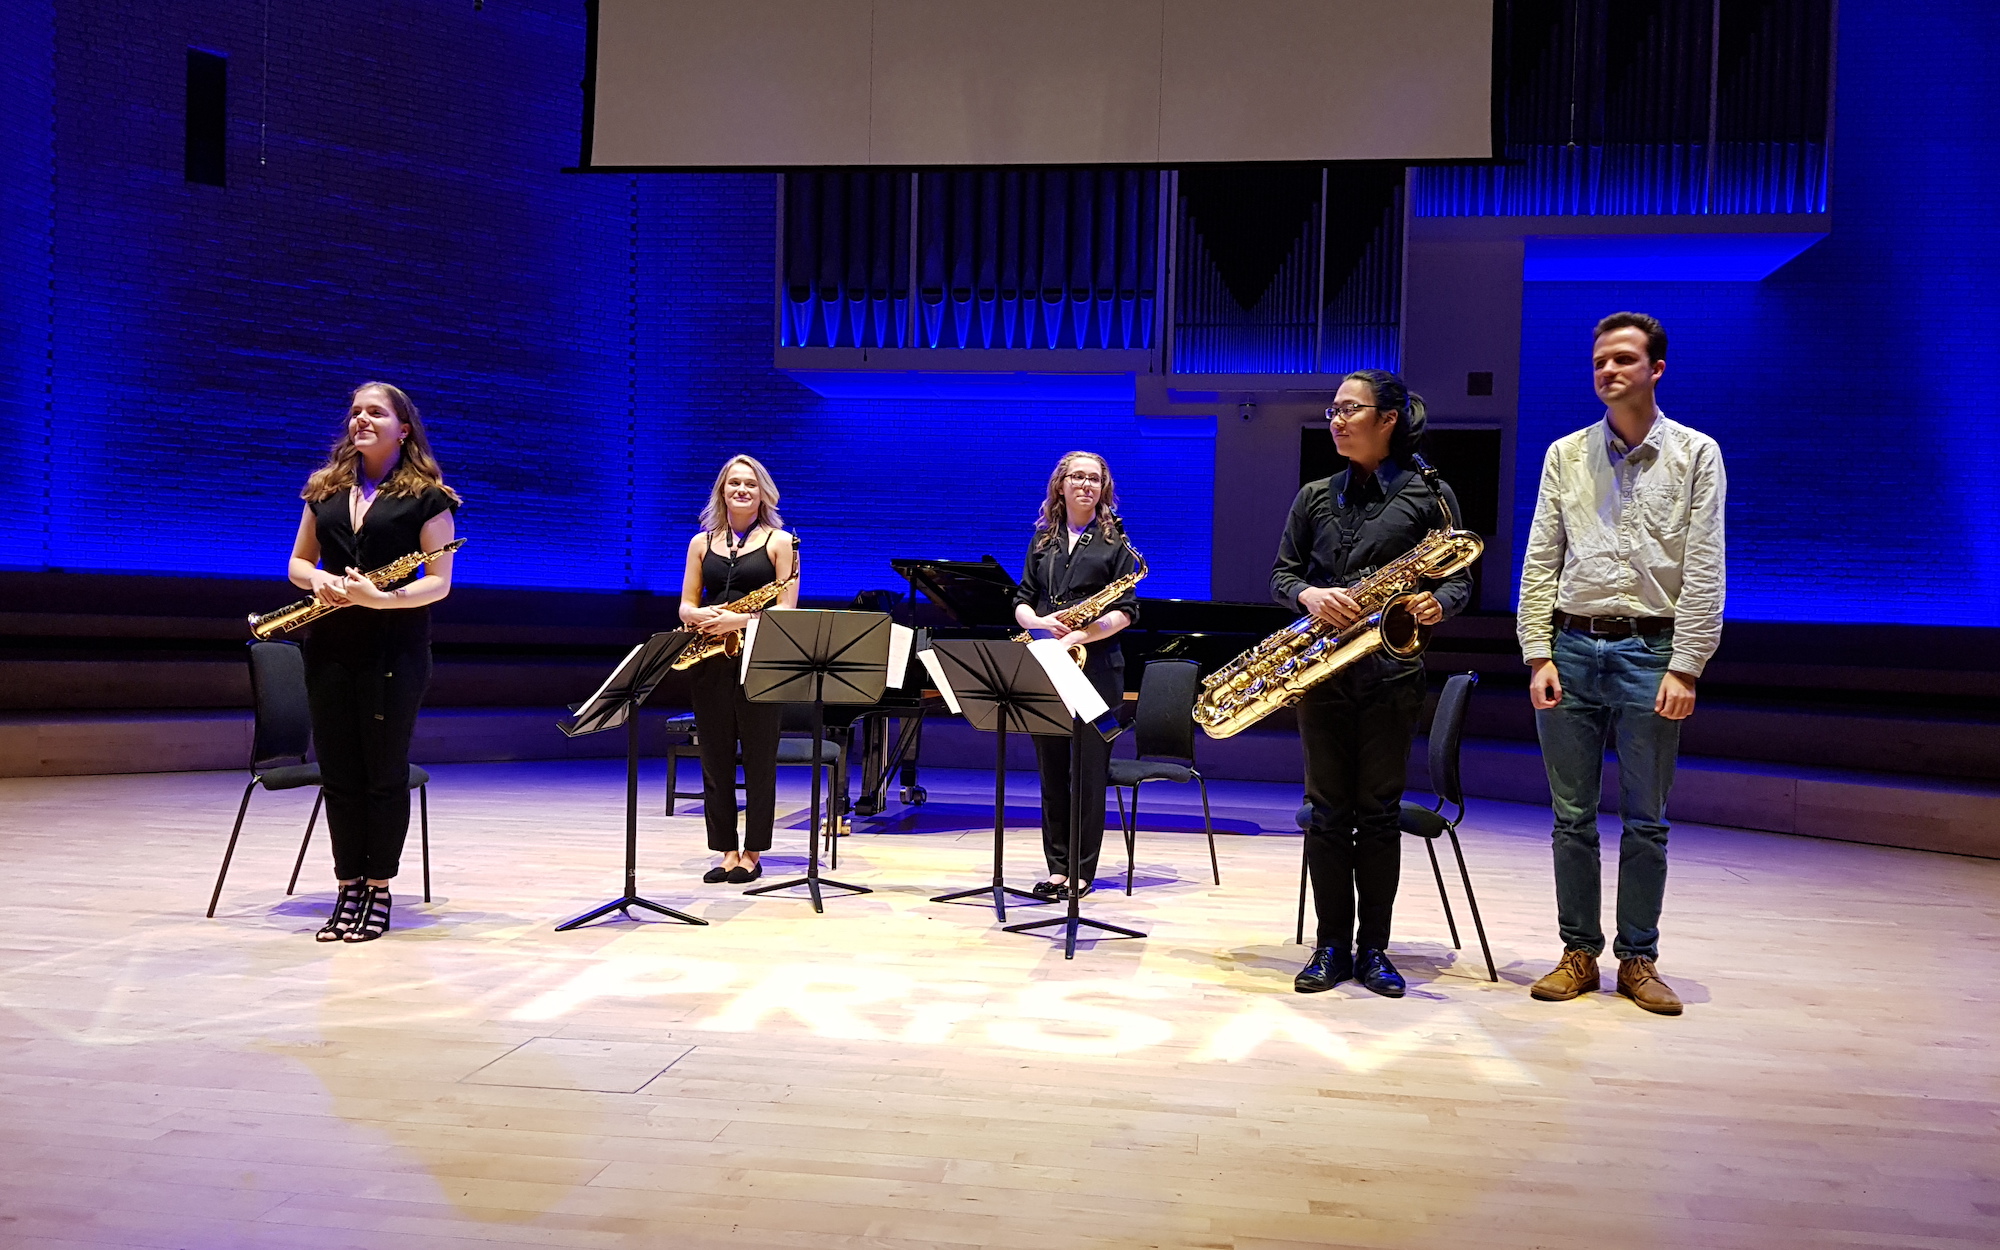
(798, 656)
(617, 702)
(999, 687)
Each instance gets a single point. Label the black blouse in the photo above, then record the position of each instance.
(392, 529)
(724, 580)
(1340, 532)
(1055, 576)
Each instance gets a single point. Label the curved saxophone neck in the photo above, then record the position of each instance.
(1429, 473)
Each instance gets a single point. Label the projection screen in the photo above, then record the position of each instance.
(715, 84)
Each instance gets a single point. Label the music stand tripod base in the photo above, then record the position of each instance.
(625, 905)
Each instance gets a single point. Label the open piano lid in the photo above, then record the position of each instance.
(975, 595)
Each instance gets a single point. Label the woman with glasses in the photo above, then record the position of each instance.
(1078, 549)
(741, 546)
(1356, 726)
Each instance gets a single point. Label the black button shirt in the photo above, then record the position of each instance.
(392, 529)
(1342, 530)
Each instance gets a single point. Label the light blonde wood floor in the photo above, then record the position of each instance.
(898, 1073)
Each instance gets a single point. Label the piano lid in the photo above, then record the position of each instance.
(975, 594)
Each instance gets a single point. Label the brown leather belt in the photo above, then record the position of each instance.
(1615, 626)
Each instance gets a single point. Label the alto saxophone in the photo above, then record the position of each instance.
(264, 624)
(1279, 670)
(731, 643)
(1083, 612)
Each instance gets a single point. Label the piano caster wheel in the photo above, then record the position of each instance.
(914, 796)
(867, 807)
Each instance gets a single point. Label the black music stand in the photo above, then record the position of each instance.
(819, 658)
(617, 702)
(999, 686)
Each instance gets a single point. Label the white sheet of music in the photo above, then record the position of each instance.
(1078, 695)
(901, 637)
(929, 660)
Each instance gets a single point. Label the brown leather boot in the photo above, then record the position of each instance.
(1638, 981)
(1576, 974)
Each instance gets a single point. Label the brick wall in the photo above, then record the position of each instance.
(1852, 391)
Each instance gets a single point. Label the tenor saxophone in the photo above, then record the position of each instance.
(731, 644)
(264, 624)
(1084, 611)
(1279, 670)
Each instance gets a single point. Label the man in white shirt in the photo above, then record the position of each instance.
(1621, 609)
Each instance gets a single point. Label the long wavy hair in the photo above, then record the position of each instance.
(715, 515)
(414, 472)
(1054, 514)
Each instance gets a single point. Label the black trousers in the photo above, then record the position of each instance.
(364, 709)
(1356, 729)
(723, 718)
(1106, 673)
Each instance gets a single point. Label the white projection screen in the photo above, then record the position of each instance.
(748, 84)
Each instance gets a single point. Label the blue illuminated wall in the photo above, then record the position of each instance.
(1852, 391)
(587, 348)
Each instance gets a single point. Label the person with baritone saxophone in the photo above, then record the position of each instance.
(1078, 550)
(379, 497)
(742, 547)
(1357, 725)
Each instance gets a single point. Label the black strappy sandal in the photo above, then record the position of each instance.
(346, 911)
(373, 921)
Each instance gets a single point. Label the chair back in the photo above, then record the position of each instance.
(1447, 728)
(1164, 724)
(283, 725)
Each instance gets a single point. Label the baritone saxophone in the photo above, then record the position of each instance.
(731, 644)
(1278, 671)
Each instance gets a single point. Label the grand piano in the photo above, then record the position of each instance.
(975, 599)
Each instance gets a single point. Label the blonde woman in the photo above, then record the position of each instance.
(742, 545)
(379, 496)
(1078, 549)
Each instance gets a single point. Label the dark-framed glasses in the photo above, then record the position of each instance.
(1341, 414)
(1084, 479)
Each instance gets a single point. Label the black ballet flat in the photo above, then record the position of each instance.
(346, 910)
(717, 875)
(1077, 891)
(374, 918)
(1047, 891)
(740, 875)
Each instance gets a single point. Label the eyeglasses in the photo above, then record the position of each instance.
(1084, 479)
(1341, 414)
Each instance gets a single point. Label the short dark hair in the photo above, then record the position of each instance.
(1656, 334)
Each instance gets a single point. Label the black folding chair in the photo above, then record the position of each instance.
(1163, 728)
(1429, 823)
(280, 739)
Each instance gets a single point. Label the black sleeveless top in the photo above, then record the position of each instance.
(393, 528)
(724, 579)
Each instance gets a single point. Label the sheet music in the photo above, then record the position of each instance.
(749, 644)
(936, 670)
(1078, 695)
(617, 674)
(900, 639)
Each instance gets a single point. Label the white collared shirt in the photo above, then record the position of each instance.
(1628, 531)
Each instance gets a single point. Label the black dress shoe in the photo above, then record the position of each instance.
(744, 876)
(716, 875)
(1329, 967)
(1375, 972)
(1047, 891)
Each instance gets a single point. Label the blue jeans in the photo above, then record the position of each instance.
(1608, 687)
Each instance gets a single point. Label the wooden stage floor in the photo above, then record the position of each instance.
(901, 1074)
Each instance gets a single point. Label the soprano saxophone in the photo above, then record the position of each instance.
(1082, 613)
(264, 624)
(1279, 670)
(731, 644)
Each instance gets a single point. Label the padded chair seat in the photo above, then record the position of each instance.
(418, 777)
(1421, 820)
(289, 776)
(681, 724)
(799, 751)
(1132, 772)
